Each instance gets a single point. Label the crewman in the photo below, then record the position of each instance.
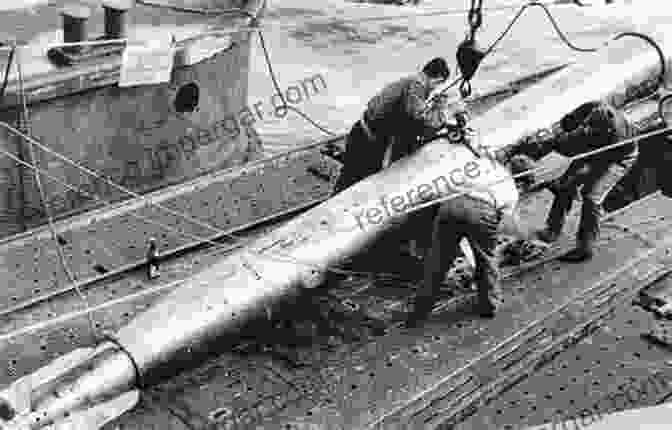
(485, 208)
(398, 112)
(457, 131)
(591, 126)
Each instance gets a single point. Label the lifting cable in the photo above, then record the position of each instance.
(469, 55)
(24, 121)
(214, 228)
(475, 20)
(67, 316)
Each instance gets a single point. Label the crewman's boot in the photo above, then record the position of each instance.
(578, 255)
(589, 230)
(555, 220)
(547, 234)
(486, 310)
(423, 304)
(489, 298)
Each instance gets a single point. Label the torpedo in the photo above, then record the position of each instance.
(92, 386)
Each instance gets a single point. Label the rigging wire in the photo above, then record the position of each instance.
(140, 197)
(468, 48)
(70, 315)
(192, 219)
(256, 26)
(24, 120)
(553, 21)
(282, 96)
(245, 241)
(127, 191)
(121, 188)
(475, 21)
(89, 310)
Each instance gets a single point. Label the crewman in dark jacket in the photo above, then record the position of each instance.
(591, 126)
(399, 111)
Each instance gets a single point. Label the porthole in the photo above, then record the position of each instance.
(187, 98)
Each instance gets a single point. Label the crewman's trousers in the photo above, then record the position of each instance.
(364, 154)
(363, 157)
(478, 221)
(596, 180)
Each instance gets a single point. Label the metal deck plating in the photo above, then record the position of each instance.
(334, 382)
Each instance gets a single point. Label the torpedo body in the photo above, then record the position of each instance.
(206, 312)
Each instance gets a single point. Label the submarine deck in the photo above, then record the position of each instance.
(304, 374)
(352, 377)
(341, 383)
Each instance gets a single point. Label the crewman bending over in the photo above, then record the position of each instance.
(398, 112)
(485, 207)
(591, 126)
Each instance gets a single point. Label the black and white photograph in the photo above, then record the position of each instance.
(335, 214)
